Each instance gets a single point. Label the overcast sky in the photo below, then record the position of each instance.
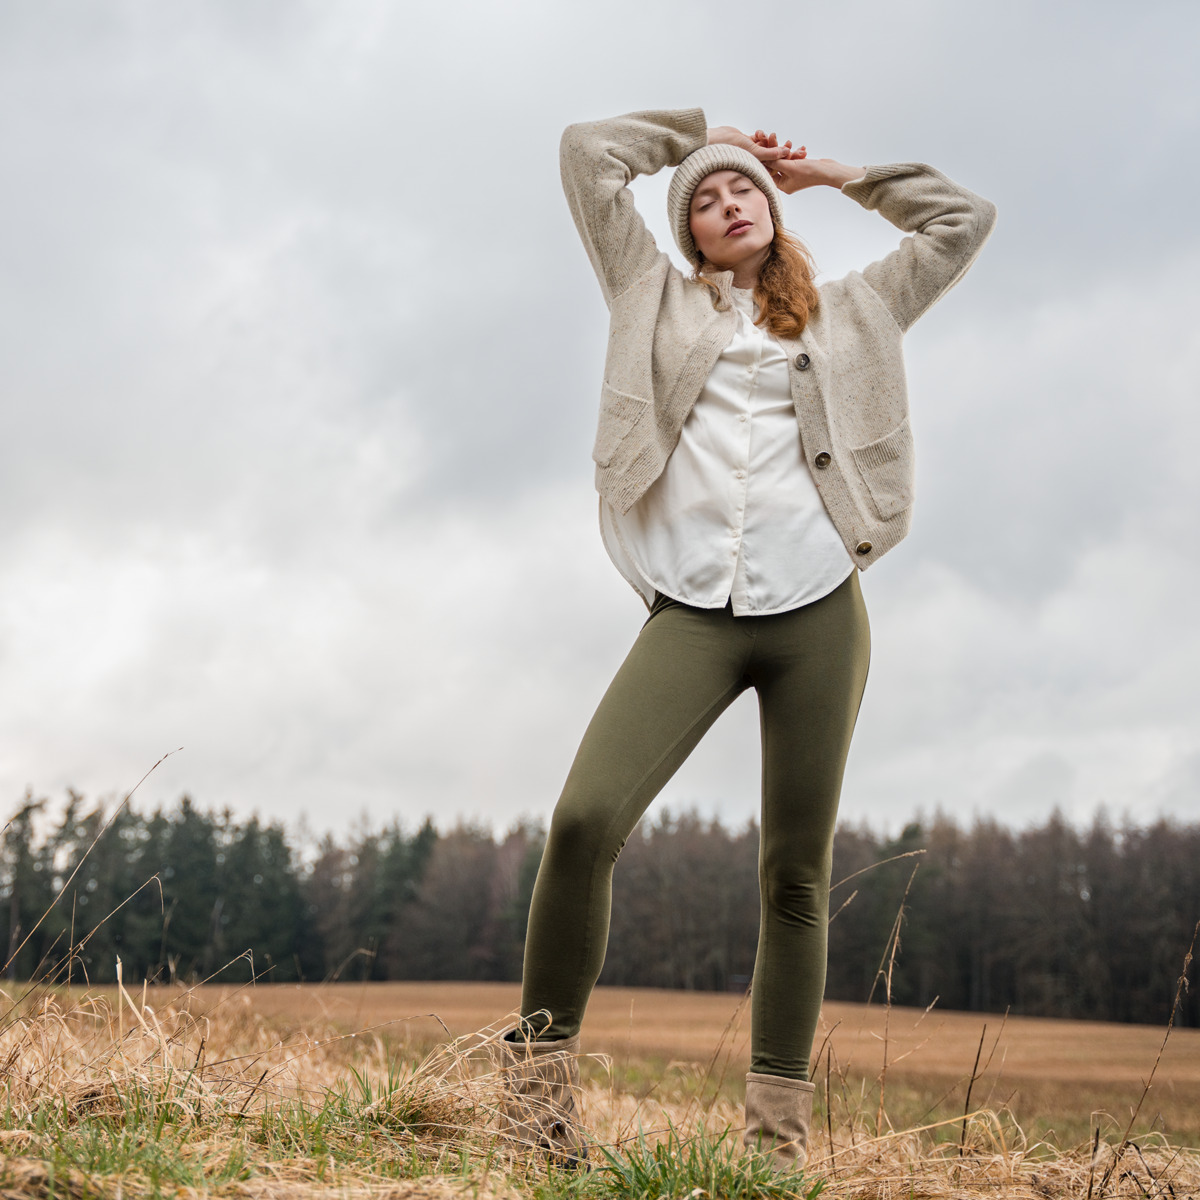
(300, 359)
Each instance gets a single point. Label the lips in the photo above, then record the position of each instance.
(737, 227)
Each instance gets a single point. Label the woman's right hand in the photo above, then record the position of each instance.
(765, 151)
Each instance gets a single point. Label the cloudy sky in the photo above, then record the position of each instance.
(300, 358)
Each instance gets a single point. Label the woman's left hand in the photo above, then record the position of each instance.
(798, 171)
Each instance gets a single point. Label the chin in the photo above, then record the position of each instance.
(725, 262)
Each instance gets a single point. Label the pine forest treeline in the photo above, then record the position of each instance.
(1048, 921)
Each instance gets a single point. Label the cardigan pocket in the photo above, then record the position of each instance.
(886, 466)
(619, 412)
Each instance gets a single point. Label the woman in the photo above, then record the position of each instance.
(753, 455)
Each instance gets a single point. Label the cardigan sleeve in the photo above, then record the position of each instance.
(598, 160)
(948, 224)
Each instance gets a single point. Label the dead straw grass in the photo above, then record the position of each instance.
(111, 1096)
(231, 1100)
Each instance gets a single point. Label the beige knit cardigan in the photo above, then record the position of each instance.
(846, 369)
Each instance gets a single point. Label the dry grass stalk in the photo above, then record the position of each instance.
(1180, 987)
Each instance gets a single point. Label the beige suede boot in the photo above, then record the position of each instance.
(541, 1080)
(778, 1114)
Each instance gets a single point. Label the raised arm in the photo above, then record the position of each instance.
(948, 224)
(598, 160)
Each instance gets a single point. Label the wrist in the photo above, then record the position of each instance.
(724, 135)
(839, 174)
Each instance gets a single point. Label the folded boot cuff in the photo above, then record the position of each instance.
(799, 1085)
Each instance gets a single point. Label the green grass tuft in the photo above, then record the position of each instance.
(697, 1166)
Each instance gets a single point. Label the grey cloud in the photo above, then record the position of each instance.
(301, 364)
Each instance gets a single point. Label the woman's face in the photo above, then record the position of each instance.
(730, 219)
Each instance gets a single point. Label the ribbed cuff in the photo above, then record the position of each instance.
(860, 189)
(694, 125)
(799, 1085)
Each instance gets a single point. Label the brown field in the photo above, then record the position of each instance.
(380, 1091)
(1059, 1079)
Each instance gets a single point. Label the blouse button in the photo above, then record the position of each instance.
(863, 548)
(822, 460)
(802, 362)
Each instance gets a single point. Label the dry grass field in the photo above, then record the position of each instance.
(388, 1090)
(1059, 1078)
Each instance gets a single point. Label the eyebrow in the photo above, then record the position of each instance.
(711, 189)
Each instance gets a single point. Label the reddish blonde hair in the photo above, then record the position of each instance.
(785, 292)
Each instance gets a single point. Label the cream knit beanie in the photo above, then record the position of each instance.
(687, 177)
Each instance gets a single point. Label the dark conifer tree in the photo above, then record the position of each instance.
(26, 887)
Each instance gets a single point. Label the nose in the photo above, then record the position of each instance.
(731, 207)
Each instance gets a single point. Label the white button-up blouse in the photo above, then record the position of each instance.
(735, 515)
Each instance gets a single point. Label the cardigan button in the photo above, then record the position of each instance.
(863, 548)
(822, 460)
(802, 362)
